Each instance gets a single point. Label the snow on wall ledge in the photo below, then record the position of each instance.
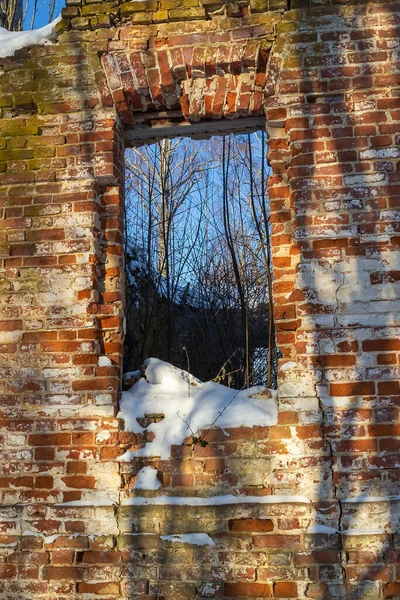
(186, 406)
(11, 41)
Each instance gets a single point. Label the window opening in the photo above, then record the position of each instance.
(198, 260)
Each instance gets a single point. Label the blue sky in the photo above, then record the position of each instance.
(42, 14)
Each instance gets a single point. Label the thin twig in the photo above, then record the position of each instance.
(219, 415)
(188, 368)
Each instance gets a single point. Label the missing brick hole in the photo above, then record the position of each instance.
(324, 99)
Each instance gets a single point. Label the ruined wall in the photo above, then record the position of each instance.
(326, 75)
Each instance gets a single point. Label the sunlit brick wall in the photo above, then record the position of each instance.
(326, 75)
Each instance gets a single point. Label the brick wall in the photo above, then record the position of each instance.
(326, 75)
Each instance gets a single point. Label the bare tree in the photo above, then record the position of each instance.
(166, 179)
(11, 14)
(226, 156)
(14, 14)
(199, 265)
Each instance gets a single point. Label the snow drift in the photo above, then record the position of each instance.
(188, 405)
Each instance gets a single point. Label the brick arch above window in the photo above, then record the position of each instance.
(201, 81)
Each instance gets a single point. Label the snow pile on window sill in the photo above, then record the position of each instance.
(11, 41)
(188, 406)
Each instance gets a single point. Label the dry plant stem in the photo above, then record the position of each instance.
(188, 368)
(219, 416)
(161, 575)
(266, 256)
(222, 373)
(34, 11)
(11, 14)
(271, 323)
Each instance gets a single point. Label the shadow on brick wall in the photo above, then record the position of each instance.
(350, 267)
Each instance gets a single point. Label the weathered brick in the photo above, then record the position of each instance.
(248, 590)
(251, 525)
(324, 74)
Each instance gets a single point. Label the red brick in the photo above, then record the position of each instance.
(248, 590)
(182, 480)
(95, 384)
(44, 453)
(44, 482)
(41, 235)
(49, 439)
(251, 525)
(24, 481)
(389, 388)
(381, 345)
(75, 526)
(79, 481)
(277, 541)
(60, 573)
(10, 325)
(77, 467)
(82, 439)
(7, 571)
(107, 588)
(285, 589)
(62, 557)
(355, 388)
(336, 360)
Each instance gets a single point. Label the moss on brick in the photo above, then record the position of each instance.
(188, 13)
(5, 101)
(100, 8)
(12, 131)
(102, 21)
(129, 8)
(81, 23)
(69, 12)
(160, 16)
(258, 5)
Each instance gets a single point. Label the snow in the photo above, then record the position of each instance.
(330, 530)
(10, 545)
(159, 372)
(197, 539)
(97, 501)
(213, 500)
(146, 479)
(288, 365)
(104, 361)
(360, 499)
(188, 405)
(363, 532)
(131, 375)
(48, 539)
(317, 528)
(10, 41)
